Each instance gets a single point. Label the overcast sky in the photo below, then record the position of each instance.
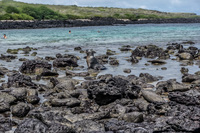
(192, 6)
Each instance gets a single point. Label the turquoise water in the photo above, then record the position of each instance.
(100, 38)
(87, 36)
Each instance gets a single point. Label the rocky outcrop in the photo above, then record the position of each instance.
(26, 24)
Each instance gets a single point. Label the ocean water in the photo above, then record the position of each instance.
(51, 41)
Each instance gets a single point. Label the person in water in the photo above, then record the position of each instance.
(4, 36)
(69, 31)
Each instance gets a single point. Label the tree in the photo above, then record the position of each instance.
(12, 9)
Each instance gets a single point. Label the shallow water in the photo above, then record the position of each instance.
(100, 38)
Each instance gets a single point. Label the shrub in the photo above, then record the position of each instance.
(31, 11)
(12, 9)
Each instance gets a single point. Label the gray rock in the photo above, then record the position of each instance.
(6, 98)
(151, 96)
(34, 66)
(127, 70)
(69, 102)
(185, 56)
(30, 125)
(190, 78)
(135, 117)
(19, 93)
(33, 99)
(170, 85)
(86, 126)
(4, 107)
(64, 85)
(20, 110)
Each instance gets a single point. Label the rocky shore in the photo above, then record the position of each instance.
(25, 24)
(103, 103)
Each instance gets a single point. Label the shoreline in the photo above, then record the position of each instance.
(35, 24)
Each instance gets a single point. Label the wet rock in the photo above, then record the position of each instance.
(81, 74)
(125, 48)
(92, 62)
(150, 51)
(31, 125)
(114, 88)
(164, 68)
(69, 102)
(170, 85)
(34, 54)
(7, 57)
(86, 126)
(23, 59)
(185, 56)
(134, 59)
(12, 51)
(77, 48)
(190, 78)
(147, 77)
(63, 62)
(157, 62)
(151, 96)
(184, 70)
(19, 80)
(114, 62)
(188, 42)
(49, 58)
(20, 110)
(49, 73)
(6, 98)
(34, 66)
(135, 117)
(110, 52)
(19, 93)
(127, 70)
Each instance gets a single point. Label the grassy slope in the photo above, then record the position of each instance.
(88, 12)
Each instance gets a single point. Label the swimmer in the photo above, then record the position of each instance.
(69, 31)
(4, 36)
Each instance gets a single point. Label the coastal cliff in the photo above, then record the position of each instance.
(34, 24)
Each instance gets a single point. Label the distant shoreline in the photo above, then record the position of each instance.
(35, 24)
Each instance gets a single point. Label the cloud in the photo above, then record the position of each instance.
(161, 5)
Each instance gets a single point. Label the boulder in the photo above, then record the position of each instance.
(69, 102)
(185, 56)
(19, 93)
(33, 99)
(191, 97)
(63, 62)
(7, 98)
(20, 110)
(19, 80)
(127, 70)
(64, 85)
(30, 125)
(34, 66)
(114, 88)
(157, 62)
(151, 96)
(4, 107)
(190, 78)
(135, 117)
(170, 85)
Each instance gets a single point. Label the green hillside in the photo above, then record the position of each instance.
(12, 10)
